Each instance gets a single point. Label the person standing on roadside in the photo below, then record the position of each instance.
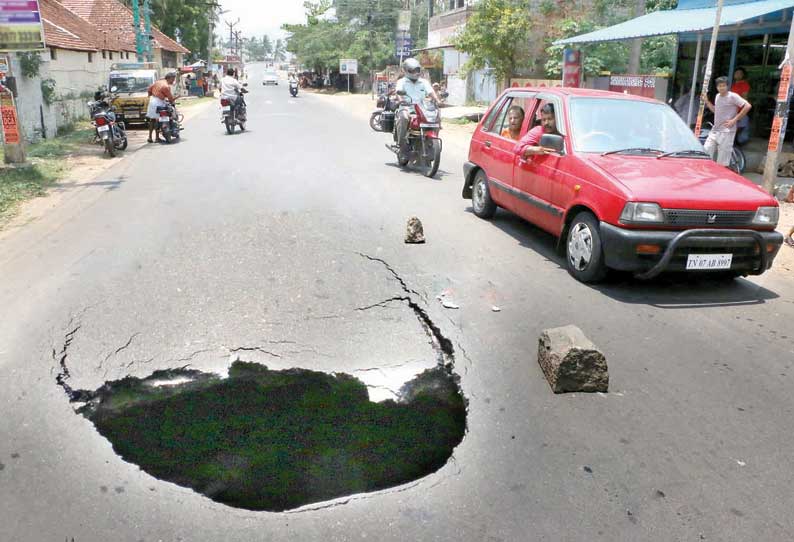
(728, 108)
(742, 87)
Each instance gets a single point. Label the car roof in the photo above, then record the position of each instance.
(584, 92)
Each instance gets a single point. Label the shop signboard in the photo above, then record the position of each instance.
(638, 85)
(20, 26)
(572, 68)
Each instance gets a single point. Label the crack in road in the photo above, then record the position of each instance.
(440, 343)
(119, 349)
(254, 349)
(60, 359)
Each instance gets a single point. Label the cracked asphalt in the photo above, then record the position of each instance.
(284, 246)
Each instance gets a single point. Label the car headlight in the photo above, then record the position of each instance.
(767, 216)
(644, 213)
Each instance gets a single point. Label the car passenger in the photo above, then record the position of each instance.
(515, 119)
(529, 144)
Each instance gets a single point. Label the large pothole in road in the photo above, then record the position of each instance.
(263, 439)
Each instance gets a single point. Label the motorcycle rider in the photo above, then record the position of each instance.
(417, 89)
(232, 89)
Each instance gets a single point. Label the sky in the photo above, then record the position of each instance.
(258, 17)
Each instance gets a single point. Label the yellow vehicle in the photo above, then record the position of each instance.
(131, 82)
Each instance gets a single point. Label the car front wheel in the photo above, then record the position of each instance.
(481, 201)
(584, 254)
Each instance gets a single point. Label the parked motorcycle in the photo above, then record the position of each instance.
(738, 159)
(423, 146)
(293, 88)
(170, 121)
(234, 111)
(109, 132)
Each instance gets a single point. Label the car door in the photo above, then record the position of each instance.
(536, 178)
(502, 154)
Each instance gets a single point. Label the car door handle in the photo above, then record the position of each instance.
(488, 144)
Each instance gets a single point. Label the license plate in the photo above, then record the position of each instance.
(164, 119)
(227, 108)
(709, 261)
(131, 115)
(103, 128)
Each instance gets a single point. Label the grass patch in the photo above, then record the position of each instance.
(45, 166)
(187, 104)
(277, 440)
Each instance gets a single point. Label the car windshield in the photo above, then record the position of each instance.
(612, 125)
(126, 83)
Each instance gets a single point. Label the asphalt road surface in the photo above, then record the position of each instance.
(270, 240)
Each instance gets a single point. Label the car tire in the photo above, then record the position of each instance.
(584, 253)
(481, 202)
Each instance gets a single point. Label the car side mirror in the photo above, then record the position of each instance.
(553, 141)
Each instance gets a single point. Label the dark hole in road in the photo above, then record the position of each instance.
(262, 439)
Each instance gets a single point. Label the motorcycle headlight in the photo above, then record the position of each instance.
(644, 213)
(767, 216)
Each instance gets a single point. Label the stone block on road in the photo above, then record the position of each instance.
(571, 362)
(415, 232)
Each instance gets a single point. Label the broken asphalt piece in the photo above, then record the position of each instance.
(571, 362)
(270, 440)
(415, 232)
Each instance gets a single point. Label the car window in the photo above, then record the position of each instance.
(487, 125)
(608, 125)
(558, 112)
(524, 101)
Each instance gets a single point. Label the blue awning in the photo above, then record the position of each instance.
(681, 21)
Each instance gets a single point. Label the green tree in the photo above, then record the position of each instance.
(267, 46)
(279, 51)
(497, 35)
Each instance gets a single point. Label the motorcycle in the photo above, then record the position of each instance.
(234, 111)
(293, 88)
(422, 146)
(738, 159)
(109, 132)
(170, 121)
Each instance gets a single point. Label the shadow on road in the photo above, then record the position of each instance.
(671, 291)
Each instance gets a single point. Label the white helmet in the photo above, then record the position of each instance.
(412, 68)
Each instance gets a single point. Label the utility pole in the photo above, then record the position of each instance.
(231, 34)
(709, 63)
(780, 120)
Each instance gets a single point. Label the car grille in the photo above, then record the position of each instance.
(725, 219)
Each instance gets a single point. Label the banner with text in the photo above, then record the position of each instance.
(20, 26)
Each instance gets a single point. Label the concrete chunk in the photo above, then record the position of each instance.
(571, 362)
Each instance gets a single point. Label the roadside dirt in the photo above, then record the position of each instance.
(83, 167)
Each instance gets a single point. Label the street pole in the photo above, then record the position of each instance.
(780, 121)
(694, 82)
(13, 149)
(709, 63)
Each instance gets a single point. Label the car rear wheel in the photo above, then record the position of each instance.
(584, 254)
(481, 201)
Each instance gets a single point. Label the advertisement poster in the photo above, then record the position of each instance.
(9, 114)
(638, 85)
(348, 66)
(20, 26)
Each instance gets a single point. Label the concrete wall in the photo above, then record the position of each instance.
(30, 104)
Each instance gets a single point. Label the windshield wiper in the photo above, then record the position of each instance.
(633, 149)
(691, 152)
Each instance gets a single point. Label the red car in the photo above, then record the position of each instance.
(629, 187)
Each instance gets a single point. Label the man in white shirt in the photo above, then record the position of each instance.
(415, 88)
(233, 90)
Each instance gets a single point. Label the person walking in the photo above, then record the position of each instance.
(728, 108)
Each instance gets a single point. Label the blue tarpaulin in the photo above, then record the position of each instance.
(690, 16)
